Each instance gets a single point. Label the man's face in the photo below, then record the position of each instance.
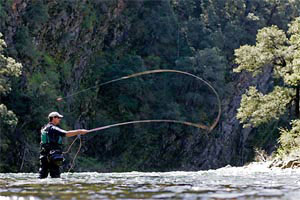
(56, 120)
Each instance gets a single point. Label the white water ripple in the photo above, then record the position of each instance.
(255, 181)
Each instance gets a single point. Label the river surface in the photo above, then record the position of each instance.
(255, 181)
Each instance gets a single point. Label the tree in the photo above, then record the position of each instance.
(279, 50)
(8, 68)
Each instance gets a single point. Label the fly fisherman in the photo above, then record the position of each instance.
(51, 156)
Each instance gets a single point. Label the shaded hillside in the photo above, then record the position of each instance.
(68, 46)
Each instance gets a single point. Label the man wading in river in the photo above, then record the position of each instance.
(51, 156)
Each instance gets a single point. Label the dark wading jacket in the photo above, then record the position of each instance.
(51, 137)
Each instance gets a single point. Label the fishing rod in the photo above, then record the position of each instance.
(149, 121)
(197, 125)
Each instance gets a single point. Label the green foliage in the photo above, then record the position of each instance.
(36, 15)
(212, 65)
(2, 12)
(9, 68)
(290, 139)
(43, 84)
(90, 17)
(269, 49)
(7, 116)
(153, 29)
(273, 48)
(68, 46)
(50, 61)
(24, 45)
(5, 8)
(257, 108)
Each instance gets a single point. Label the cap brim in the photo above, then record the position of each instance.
(56, 114)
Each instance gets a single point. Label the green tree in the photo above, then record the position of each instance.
(9, 68)
(279, 50)
(36, 15)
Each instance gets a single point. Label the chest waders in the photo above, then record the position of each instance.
(54, 154)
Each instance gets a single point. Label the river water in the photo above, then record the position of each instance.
(255, 181)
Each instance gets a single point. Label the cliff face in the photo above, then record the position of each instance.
(63, 44)
(238, 142)
(232, 145)
(65, 31)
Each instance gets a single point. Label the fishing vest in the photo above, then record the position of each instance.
(46, 139)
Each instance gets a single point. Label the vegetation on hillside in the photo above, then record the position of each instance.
(9, 69)
(279, 50)
(68, 46)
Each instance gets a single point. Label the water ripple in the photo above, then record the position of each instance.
(255, 181)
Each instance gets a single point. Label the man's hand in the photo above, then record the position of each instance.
(83, 131)
(76, 132)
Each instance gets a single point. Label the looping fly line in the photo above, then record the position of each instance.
(197, 125)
